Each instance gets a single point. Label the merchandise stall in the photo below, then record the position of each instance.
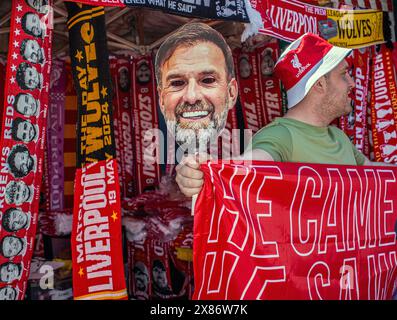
(96, 211)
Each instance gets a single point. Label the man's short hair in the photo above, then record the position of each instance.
(187, 36)
(158, 264)
(20, 75)
(6, 219)
(11, 160)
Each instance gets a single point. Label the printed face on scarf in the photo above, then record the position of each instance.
(9, 272)
(32, 78)
(20, 161)
(23, 130)
(25, 104)
(8, 293)
(196, 92)
(14, 219)
(40, 6)
(143, 73)
(244, 67)
(11, 246)
(141, 276)
(17, 192)
(124, 79)
(32, 51)
(32, 25)
(267, 64)
(160, 276)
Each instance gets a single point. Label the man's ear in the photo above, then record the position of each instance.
(321, 85)
(232, 92)
(159, 92)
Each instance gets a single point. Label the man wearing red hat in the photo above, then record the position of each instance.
(316, 77)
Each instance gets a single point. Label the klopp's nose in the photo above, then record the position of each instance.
(192, 94)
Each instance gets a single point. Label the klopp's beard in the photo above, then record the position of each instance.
(198, 134)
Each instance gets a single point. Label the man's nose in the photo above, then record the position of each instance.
(193, 93)
(352, 84)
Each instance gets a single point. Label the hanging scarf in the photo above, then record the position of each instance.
(145, 124)
(289, 19)
(98, 271)
(384, 106)
(25, 105)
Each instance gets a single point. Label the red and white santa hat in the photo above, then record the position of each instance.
(303, 62)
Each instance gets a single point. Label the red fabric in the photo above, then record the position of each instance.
(361, 79)
(384, 106)
(248, 84)
(300, 61)
(98, 271)
(270, 86)
(17, 183)
(295, 231)
(145, 124)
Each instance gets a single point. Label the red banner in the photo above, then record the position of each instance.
(145, 124)
(22, 141)
(384, 106)
(295, 231)
(98, 271)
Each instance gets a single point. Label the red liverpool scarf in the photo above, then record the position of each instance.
(289, 19)
(145, 124)
(122, 100)
(249, 91)
(295, 231)
(361, 58)
(384, 106)
(270, 86)
(22, 141)
(98, 271)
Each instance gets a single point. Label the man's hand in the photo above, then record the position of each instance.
(188, 175)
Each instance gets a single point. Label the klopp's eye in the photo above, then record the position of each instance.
(177, 83)
(208, 80)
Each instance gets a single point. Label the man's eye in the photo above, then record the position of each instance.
(208, 80)
(177, 83)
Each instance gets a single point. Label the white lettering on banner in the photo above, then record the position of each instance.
(291, 21)
(93, 237)
(357, 227)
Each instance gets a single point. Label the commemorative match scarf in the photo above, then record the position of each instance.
(289, 19)
(22, 141)
(122, 101)
(146, 141)
(383, 106)
(247, 73)
(96, 236)
(270, 86)
(361, 59)
(55, 137)
(295, 231)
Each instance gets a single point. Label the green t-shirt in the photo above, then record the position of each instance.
(289, 140)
